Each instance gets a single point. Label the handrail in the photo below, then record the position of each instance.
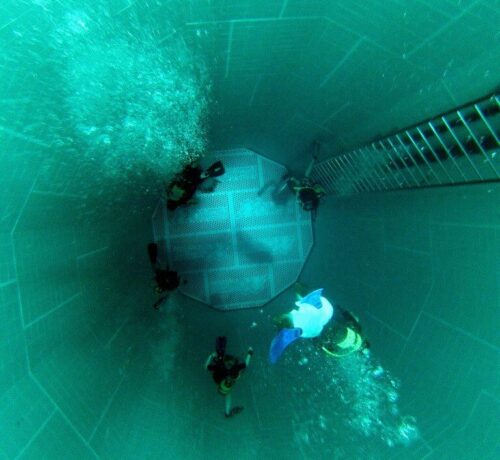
(459, 147)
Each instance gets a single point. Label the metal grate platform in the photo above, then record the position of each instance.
(241, 245)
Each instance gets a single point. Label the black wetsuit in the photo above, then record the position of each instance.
(167, 280)
(309, 198)
(221, 371)
(188, 181)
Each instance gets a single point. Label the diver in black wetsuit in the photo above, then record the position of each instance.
(308, 193)
(182, 189)
(166, 280)
(226, 369)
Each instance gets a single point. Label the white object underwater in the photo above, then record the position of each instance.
(310, 318)
(314, 312)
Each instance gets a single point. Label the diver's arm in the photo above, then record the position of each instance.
(158, 303)
(209, 359)
(248, 356)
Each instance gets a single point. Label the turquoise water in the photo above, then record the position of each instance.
(101, 102)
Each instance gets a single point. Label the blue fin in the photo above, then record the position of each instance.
(284, 338)
(313, 298)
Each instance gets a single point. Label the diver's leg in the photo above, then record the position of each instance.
(158, 303)
(301, 290)
(230, 411)
(227, 401)
(248, 356)
(153, 254)
(283, 321)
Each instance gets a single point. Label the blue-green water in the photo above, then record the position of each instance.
(101, 102)
(119, 94)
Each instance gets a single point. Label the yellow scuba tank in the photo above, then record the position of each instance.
(226, 386)
(351, 343)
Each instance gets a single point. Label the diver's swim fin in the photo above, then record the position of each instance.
(284, 338)
(313, 298)
(215, 170)
(234, 411)
(153, 253)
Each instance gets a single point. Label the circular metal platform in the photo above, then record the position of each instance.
(241, 245)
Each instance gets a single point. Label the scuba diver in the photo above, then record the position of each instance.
(339, 337)
(343, 336)
(166, 280)
(225, 370)
(182, 188)
(312, 314)
(308, 193)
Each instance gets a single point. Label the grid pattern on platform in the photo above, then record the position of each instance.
(243, 244)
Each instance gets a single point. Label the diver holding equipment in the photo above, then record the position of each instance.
(226, 369)
(183, 187)
(337, 331)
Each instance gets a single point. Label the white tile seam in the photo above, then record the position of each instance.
(472, 409)
(24, 137)
(410, 334)
(19, 298)
(426, 444)
(15, 19)
(387, 326)
(341, 62)
(336, 112)
(64, 195)
(23, 207)
(458, 224)
(447, 89)
(8, 283)
(229, 46)
(36, 434)
(62, 304)
(125, 8)
(462, 331)
(310, 121)
(63, 415)
(255, 88)
(408, 250)
(491, 396)
(283, 8)
(91, 253)
(255, 20)
(341, 26)
(439, 31)
(113, 337)
(106, 409)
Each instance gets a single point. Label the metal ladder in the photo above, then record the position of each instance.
(459, 147)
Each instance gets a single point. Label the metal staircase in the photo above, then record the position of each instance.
(459, 147)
